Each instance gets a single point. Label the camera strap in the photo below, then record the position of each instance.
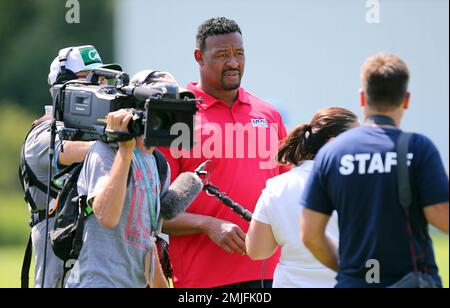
(406, 198)
(112, 136)
(146, 170)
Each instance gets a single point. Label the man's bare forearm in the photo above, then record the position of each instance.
(325, 250)
(74, 152)
(186, 224)
(437, 215)
(109, 203)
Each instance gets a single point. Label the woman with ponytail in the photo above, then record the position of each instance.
(276, 218)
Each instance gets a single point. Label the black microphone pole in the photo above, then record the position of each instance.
(212, 190)
(236, 207)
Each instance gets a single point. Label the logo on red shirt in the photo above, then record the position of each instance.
(260, 123)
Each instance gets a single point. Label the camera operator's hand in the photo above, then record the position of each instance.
(118, 121)
(227, 235)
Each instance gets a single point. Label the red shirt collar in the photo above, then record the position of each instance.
(209, 101)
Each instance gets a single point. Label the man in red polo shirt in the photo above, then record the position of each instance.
(240, 134)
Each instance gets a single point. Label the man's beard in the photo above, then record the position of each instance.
(231, 86)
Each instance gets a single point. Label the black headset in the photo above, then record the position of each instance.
(64, 74)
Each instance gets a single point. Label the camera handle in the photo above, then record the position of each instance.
(112, 136)
(134, 130)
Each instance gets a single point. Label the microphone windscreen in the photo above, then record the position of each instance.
(180, 195)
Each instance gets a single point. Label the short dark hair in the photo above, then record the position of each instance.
(307, 139)
(215, 26)
(385, 80)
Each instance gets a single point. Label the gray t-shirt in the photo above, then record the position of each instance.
(115, 257)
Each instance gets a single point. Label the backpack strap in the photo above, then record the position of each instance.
(56, 183)
(403, 183)
(77, 243)
(163, 169)
(39, 216)
(28, 178)
(161, 165)
(24, 277)
(405, 194)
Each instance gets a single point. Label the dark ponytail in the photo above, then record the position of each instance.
(307, 139)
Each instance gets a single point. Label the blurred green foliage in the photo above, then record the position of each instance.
(14, 217)
(15, 123)
(31, 34)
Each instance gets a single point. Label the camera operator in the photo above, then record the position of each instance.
(122, 186)
(71, 63)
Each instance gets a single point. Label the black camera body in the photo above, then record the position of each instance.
(162, 114)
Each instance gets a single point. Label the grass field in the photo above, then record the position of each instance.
(14, 218)
(442, 257)
(11, 265)
(11, 262)
(14, 236)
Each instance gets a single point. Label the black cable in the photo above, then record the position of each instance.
(49, 182)
(262, 273)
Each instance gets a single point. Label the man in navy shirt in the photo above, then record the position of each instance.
(356, 176)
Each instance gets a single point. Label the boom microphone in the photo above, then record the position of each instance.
(180, 195)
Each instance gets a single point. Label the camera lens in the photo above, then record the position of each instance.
(160, 121)
(157, 123)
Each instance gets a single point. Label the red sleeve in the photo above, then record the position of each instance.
(174, 163)
(282, 133)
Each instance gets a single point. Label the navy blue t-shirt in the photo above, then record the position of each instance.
(356, 176)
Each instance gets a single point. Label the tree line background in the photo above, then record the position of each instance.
(31, 34)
